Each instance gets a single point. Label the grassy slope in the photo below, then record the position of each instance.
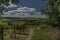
(41, 32)
(45, 32)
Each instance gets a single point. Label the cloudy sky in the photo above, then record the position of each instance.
(38, 4)
(24, 12)
(26, 8)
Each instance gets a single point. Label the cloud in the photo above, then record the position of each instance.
(26, 9)
(24, 12)
(21, 12)
(23, 9)
(9, 6)
(12, 5)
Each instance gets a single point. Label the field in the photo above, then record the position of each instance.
(29, 30)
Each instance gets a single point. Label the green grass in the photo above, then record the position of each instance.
(42, 33)
(9, 32)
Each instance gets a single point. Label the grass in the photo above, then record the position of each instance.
(42, 33)
(9, 32)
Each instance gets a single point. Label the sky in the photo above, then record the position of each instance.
(26, 8)
(38, 4)
(23, 12)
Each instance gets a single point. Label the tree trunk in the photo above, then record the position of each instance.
(14, 33)
(2, 33)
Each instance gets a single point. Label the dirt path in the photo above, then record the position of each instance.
(30, 35)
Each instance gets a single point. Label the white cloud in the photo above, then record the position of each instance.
(21, 12)
(26, 9)
(4, 5)
(24, 12)
(23, 9)
(11, 6)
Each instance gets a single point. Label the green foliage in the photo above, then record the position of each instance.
(6, 2)
(3, 23)
(20, 26)
(42, 33)
(45, 27)
(15, 1)
(53, 13)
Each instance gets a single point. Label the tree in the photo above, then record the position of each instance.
(3, 25)
(53, 13)
(4, 2)
(21, 26)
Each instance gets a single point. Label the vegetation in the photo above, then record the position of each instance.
(6, 2)
(42, 28)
